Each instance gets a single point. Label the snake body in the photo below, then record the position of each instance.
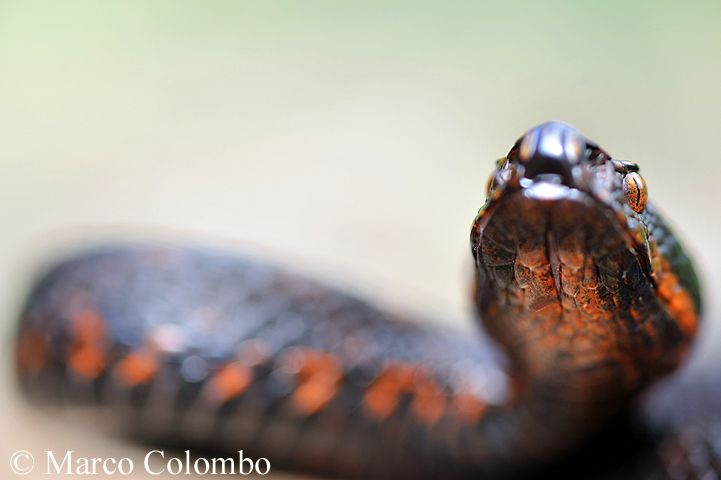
(578, 278)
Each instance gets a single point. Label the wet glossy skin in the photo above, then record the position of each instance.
(578, 279)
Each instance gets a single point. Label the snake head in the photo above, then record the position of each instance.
(567, 227)
(553, 161)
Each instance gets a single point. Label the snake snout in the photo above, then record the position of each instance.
(551, 149)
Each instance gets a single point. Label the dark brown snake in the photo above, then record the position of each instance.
(578, 279)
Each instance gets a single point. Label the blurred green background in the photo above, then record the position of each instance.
(352, 140)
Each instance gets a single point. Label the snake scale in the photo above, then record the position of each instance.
(578, 279)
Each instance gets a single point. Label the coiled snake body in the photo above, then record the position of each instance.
(580, 281)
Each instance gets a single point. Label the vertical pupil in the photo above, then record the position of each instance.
(635, 191)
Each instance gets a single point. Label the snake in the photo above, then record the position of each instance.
(585, 299)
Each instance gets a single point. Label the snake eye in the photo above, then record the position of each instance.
(635, 191)
(491, 184)
(493, 180)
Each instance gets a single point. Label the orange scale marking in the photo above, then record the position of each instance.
(317, 377)
(230, 381)
(677, 300)
(429, 403)
(87, 360)
(138, 368)
(383, 396)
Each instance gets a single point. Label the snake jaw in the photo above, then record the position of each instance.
(552, 259)
(599, 192)
(552, 162)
